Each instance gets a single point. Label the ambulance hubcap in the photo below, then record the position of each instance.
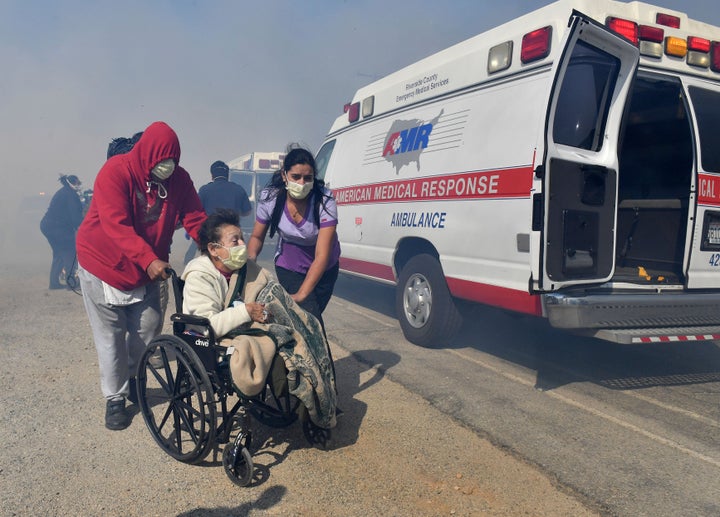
(417, 300)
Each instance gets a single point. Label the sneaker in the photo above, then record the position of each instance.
(132, 397)
(116, 417)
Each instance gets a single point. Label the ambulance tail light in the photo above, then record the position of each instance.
(675, 46)
(698, 51)
(536, 45)
(651, 39)
(667, 20)
(627, 28)
(715, 56)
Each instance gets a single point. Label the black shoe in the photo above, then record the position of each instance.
(116, 416)
(132, 397)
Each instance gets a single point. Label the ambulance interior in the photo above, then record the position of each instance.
(655, 170)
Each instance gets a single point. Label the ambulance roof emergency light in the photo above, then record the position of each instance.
(698, 51)
(668, 20)
(368, 106)
(675, 46)
(536, 45)
(500, 57)
(627, 28)
(651, 39)
(353, 111)
(715, 56)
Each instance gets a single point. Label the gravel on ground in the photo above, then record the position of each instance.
(391, 454)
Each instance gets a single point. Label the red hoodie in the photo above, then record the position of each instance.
(127, 227)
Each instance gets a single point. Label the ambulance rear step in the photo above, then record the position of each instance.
(659, 335)
(617, 311)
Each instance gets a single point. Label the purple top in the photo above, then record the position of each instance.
(296, 243)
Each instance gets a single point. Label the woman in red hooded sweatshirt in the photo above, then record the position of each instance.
(123, 247)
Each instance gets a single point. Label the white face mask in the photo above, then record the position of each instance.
(164, 169)
(297, 190)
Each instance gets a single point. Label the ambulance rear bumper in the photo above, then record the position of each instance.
(633, 311)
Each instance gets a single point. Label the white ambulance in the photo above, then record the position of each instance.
(565, 164)
(252, 171)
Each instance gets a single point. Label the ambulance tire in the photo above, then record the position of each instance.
(426, 311)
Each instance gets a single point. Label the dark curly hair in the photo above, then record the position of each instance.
(210, 231)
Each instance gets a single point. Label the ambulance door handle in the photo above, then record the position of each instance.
(537, 212)
(540, 171)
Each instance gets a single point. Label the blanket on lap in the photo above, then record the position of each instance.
(296, 336)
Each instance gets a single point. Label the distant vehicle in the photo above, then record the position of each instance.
(564, 165)
(253, 171)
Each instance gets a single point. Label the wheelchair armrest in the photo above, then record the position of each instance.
(190, 319)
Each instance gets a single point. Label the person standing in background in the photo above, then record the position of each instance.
(123, 247)
(221, 193)
(61, 221)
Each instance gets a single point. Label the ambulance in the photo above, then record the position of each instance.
(565, 164)
(252, 171)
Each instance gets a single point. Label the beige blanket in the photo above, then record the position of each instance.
(293, 333)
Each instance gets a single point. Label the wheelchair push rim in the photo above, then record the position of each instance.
(177, 400)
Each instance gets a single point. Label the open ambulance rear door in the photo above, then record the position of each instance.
(576, 179)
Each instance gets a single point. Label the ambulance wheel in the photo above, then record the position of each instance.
(427, 312)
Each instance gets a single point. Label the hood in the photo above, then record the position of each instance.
(158, 142)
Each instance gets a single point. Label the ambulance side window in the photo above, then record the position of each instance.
(323, 158)
(584, 99)
(707, 111)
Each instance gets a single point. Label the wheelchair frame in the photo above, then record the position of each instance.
(179, 397)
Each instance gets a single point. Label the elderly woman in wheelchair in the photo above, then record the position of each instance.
(236, 333)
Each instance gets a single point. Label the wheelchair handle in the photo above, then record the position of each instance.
(177, 288)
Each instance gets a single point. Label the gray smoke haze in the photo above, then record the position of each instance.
(229, 76)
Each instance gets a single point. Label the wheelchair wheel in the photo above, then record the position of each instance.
(177, 400)
(238, 463)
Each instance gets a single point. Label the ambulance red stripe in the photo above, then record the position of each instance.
(511, 299)
(513, 182)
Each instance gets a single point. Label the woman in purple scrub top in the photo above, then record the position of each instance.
(297, 206)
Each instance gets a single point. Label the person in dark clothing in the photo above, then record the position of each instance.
(59, 225)
(221, 193)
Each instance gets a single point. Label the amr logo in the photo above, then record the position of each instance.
(406, 140)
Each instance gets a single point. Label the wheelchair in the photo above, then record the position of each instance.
(185, 400)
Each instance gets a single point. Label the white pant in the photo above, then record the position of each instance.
(120, 332)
